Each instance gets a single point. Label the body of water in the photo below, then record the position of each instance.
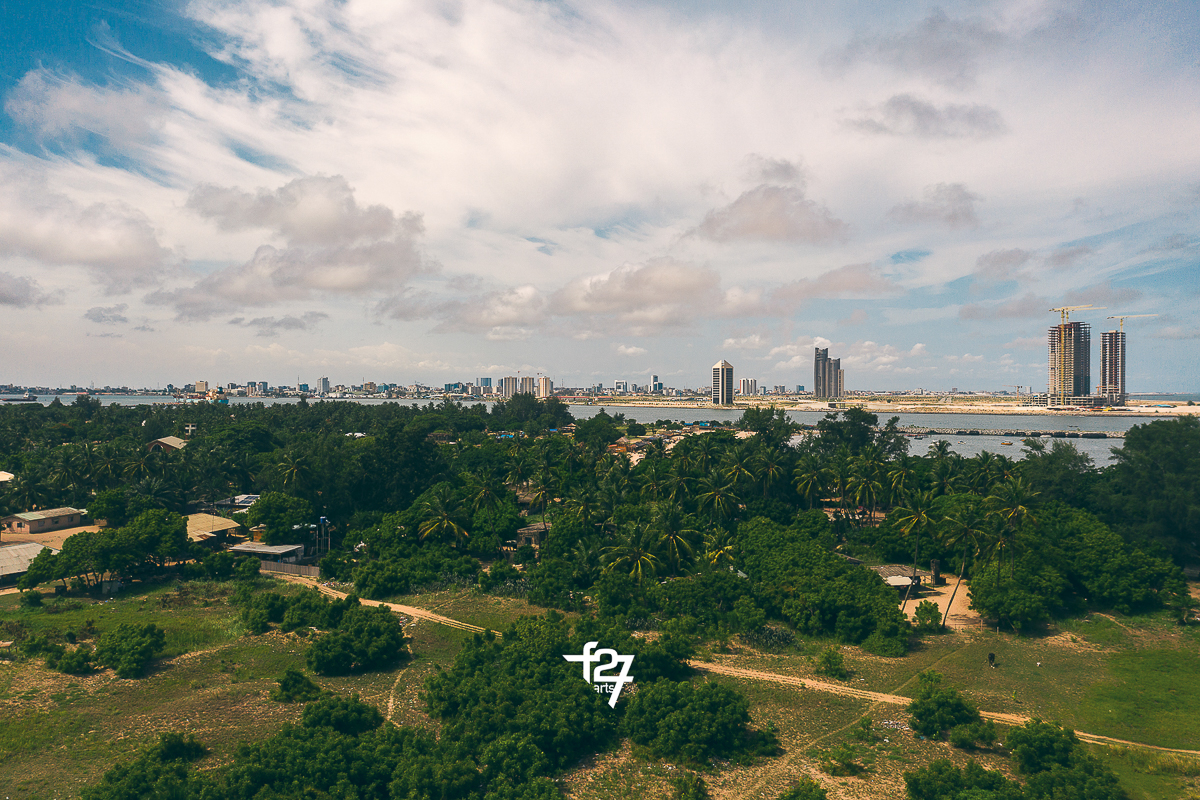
(1100, 450)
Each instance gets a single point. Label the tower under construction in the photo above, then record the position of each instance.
(1070, 362)
(1112, 367)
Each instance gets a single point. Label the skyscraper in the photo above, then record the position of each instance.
(545, 387)
(828, 378)
(748, 386)
(323, 385)
(1112, 366)
(508, 386)
(722, 385)
(1070, 361)
(528, 384)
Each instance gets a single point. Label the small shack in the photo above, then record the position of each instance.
(212, 530)
(167, 444)
(277, 553)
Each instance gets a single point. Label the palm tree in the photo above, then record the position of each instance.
(721, 498)
(718, 548)
(770, 466)
(1010, 502)
(967, 527)
(736, 466)
(676, 536)
(484, 488)
(678, 482)
(809, 477)
(633, 550)
(441, 517)
(913, 518)
(940, 450)
(900, 476)
(654, 479)
(294, 470)
(945, 477)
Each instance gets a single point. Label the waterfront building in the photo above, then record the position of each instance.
(621, 387)
(1069, 362)
(528, 384)
(828, 377)
(508, 386)
(748, 386)
(1112, 367)
(323, 385)
(545, 387)
(722, 383)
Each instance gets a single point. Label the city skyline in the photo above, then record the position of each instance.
(585, 191)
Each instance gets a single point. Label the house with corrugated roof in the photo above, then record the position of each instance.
(50, 519)
(167, 444)
(16, 558)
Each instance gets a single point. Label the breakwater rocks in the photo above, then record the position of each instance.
(1015, 434)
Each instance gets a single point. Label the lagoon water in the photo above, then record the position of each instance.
(1100, 450)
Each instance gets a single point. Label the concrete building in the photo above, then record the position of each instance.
(621, 387)
(484, 384)
(1069, 362)
(51, 519)
(201, 387)
(545, 387)
(655, 385)
(167, 443)
(508, 386)
(828, 377)
(747, 386)
(722, 383)
(323, 385)
(1112, 367)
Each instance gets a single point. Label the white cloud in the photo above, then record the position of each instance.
(773, 213)
(631, 350)
(906, 115)
(949, 204)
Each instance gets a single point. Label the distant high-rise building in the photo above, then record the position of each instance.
(799, 388)
(1112, 366)
(201, 387)
(545, 387)
(323, 385)
(655, 384)
(722, 383)
(1070, 361)
(528, 384)
(300, 387)
(748, 386)
(828, 378)
(621, 386)
(262, 387)
(485, 384)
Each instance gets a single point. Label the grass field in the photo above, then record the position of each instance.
(1132, 678)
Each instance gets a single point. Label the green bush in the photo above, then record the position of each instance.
(938, 708)
(689, 786)
(129, 648)
(367, 639)
(76, 662)
(346, 715)
(682, 721)
(976, 734)
(31, 599)
(806, 789)
(928, 617)
(832, 664)
(295, 687)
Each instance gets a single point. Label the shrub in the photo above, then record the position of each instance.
(842, 761)
(31, 599)
(690, 723)
(76, 662)
(367, 639)
(831, 663)
(295, 687)
(938, 708)
(346, 715)
(129, 648)
(976, 734)
(928, 617)
(689, 786)
(806, 789)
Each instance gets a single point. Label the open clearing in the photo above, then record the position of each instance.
(1136, 679)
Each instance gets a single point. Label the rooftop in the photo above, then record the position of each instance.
(16, 558)
(256, 548)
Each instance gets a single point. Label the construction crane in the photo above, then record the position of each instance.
(1130, 316)
(1015, 386)
(1060, 387)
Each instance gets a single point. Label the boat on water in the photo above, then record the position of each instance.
(1006, 443)
(25, 398)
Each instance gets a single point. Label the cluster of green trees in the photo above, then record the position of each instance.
(352, 637)
(1040, 537)
(1049, 758)
(514, 715)
(128, 649)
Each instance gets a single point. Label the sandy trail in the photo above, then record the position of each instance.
(898, 700)
(752, 674)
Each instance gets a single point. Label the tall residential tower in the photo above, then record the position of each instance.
(1112, 367)
(722, 385)
(828, 377)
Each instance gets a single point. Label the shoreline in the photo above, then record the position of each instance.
(884, 409)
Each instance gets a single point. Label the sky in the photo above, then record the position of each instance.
(595, 191)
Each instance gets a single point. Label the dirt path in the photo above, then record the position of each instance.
(748, 674)
(408, 611)
(898, 700)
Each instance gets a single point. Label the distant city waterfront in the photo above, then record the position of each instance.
(1100, 450)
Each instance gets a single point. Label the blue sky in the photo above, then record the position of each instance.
(436, 191)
